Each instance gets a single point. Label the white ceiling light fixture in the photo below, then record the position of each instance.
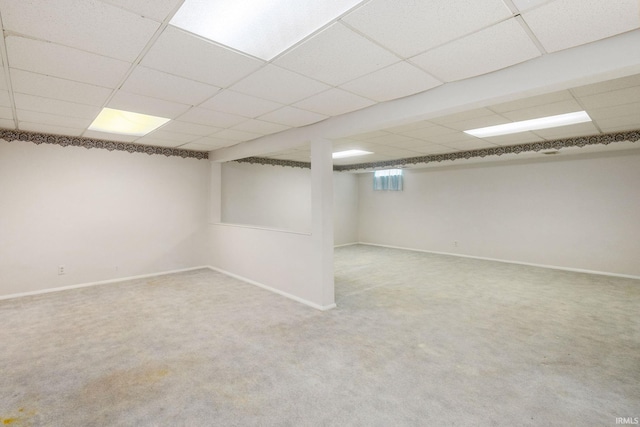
(350, 153)
(125, 122)
(534, 124)
(262, 28)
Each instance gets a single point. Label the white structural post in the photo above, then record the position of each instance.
(322, 221)
(215, 193)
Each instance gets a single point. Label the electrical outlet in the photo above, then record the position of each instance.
(60, 270)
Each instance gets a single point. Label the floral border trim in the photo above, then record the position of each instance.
(274, 162)
(556, 144)
(79, 141)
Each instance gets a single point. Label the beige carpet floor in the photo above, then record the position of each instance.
(417, 340)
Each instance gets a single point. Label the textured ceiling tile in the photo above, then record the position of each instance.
(580, 129)
(410, 126)
(260, 127)
(232, 102)
(412, 27)
(190, 128)
(3, 82)
(429, 132)
(478, 122)
(615, 111)
(279, 85)
(617, 97)
(616, 124)
(214, 143)
(290, 116)
(150, 140)
(336, 55)
(156, 84)
(47, 128)
(185, 55)
(491, 49)
(65, 62)
(53, 119)
(176, 137)
(88, 25)
(477, 144)
(607, 86)
(397, 81)
(235, 135)
(389, 139)
(109, 136)
(211, 118)
(431, 148)
(5, 101)
(7, 123)
(334, 102)
(53, 106)
(514, 138)
(55, 88)
(460, 117)
(532, 101)
(198, 147)
(157, 10)
(6, 113)
(556, 108)
(146, 105)
(567, 23)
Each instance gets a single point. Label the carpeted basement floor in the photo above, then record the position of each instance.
(417, 340)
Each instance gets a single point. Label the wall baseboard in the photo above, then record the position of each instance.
(279, 292)
(346, 244)
(553, 267)
(102, 282)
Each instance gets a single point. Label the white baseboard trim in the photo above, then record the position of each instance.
(279, 292)
(102, 282)
(346, 244)
(553, 267)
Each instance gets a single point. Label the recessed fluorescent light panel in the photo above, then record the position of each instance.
(534, 124)
(262, 28)
(349, 153)
(126, 122)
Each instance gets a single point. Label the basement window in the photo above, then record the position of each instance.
(387, 180)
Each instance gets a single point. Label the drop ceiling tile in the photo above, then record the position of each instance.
(409, 28)
(524, 5)
(476, 144)
(53, 119)
(615, 111)
(390, 139)
(211, 118)
(190, 128)
(5, 100)
(334, 102)
(156, 84)
(185, 55)
(470, 56)
(179, 138)
(368, 135)
(454, 138)
(336, 55)
(556, 108)
(463, 116)
(47, 128)
(410, 126)
(431, 148)
(145, 105)
(54, 106)
(429, 132)
(109, 136)
(214, 143)
(88, 25)
(55, 88)
(7, 123)
(514, 138)
(6, 113)
(65, 62)
(567, 23)
(290, 116)
(478, 122)
(196, 147)
(235, 135)
(580, 129)
(157, 10)
(629, 95)
(260, 127)
(532, 101)
(3, 80)
(398, 80)
(412, 144)
(232, 102)
(279, 85)
(616, 124)
(607, 86)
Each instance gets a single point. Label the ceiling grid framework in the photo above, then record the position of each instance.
(63, 62)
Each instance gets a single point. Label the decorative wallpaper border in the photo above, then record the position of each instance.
(79, 141)
(556, 144)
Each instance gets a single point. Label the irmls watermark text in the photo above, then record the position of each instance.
(628, 420)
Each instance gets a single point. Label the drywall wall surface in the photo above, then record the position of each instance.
(577, 211)
(345, 208)
(102, 215)
(279, 198)
(266, 196)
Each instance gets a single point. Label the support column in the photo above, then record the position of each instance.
(215, 193)
(322, 221)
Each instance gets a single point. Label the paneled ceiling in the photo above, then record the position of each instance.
(64, 60)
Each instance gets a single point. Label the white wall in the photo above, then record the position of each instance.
(578, 211)
(101, 214)
(280, 198)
